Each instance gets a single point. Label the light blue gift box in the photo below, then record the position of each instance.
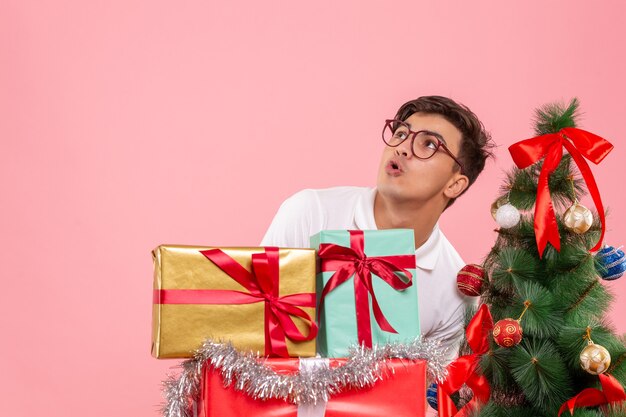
(338, 324)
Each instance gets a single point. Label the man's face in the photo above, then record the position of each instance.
(403, 177)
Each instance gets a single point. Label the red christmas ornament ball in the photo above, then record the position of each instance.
(470, 280)
(507, 333)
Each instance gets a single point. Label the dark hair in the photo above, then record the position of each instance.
(476, 143)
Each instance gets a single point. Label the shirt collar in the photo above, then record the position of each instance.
(426, 256)
(364, 211)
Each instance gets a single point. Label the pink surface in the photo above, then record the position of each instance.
(126, 124)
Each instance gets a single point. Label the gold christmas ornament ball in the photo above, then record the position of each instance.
(578, 218)
(595, 359)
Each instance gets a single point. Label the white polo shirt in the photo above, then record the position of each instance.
(441, 306)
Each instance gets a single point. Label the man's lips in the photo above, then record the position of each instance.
(394, 167)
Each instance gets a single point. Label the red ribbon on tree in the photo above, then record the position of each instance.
(347, 262)
(612, 391)
(463, 370)
(262, 286)
(580, 144)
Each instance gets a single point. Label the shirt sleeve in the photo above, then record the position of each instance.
(293, 223)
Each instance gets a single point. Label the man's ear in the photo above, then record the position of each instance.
(456, 186)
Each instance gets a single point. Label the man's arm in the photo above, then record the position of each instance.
(293, 223)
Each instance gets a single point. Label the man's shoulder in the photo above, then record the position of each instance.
(329, 196)
(449, 252)
(318, 205)
(310, 210)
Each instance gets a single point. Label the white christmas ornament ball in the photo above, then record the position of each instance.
(507, 216)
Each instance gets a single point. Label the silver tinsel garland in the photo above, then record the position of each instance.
(251, 376)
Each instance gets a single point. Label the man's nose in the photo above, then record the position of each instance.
(404, 149)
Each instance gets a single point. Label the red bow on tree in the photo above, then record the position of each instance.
(463, 370)
(612, 391)
(580, 144)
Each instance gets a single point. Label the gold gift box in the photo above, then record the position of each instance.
(179, 329)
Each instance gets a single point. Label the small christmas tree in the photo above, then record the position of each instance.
(551, 340)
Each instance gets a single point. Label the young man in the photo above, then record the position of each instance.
(434, 150)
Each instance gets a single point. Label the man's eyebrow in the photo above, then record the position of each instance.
(437, 135)
(430, 132)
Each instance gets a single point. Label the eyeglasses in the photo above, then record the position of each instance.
(424, 143)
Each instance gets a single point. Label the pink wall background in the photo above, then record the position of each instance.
(126, 124)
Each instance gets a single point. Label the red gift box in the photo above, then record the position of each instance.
(401, 392)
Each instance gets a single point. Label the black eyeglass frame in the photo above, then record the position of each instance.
(389, 123)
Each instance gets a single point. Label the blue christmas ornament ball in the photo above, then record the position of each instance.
(612, 263)
(431, 395)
